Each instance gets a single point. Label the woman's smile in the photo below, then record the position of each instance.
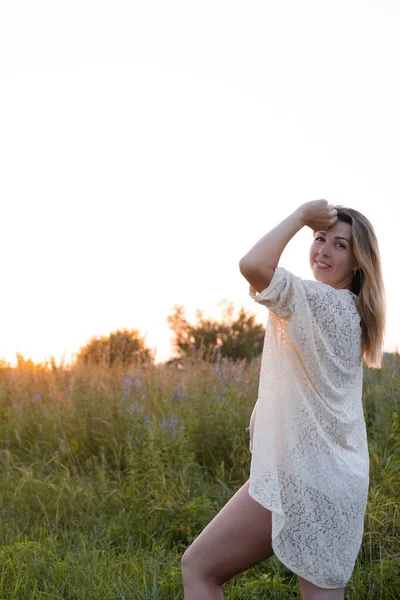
(322, 265)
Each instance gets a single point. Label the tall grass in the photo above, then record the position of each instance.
(107, 475)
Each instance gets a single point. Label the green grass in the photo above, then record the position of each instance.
(107, 475)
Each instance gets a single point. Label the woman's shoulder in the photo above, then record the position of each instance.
(324, 298)
(315, 287)
(289, 294)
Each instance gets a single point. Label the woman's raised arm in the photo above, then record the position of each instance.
(258, 265)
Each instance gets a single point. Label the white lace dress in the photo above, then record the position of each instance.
(310, 462)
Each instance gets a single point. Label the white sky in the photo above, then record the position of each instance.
(146, 146)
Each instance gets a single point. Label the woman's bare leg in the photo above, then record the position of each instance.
(238, 538)
(309, 591)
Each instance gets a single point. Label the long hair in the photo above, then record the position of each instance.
(368, 285)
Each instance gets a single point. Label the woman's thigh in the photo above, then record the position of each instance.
(237, 538)
(309, 591)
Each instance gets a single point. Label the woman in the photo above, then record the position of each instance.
(306, 497)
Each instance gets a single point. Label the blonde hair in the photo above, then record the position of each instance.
(368, 285)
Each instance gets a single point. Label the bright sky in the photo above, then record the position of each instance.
(146, 146)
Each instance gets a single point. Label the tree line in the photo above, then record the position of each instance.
(236, 337)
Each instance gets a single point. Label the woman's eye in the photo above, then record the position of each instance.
(339, 243)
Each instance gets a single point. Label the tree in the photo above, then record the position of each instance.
(120, 347)
(236, 338)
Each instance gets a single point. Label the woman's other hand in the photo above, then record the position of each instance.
(250, 428)
(319, 215)
(249, 431)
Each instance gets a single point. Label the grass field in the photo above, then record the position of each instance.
(107, 475)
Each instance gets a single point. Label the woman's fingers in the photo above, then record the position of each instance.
(321, 217)
(318, 212)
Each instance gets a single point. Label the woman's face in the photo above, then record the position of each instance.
(337, 253)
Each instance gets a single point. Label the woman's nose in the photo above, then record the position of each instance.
(325, 250)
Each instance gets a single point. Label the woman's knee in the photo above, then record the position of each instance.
(193, 568)
(189, 563)
(186, 560)
(187, 568)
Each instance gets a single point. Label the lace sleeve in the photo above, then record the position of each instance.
(280, 296)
